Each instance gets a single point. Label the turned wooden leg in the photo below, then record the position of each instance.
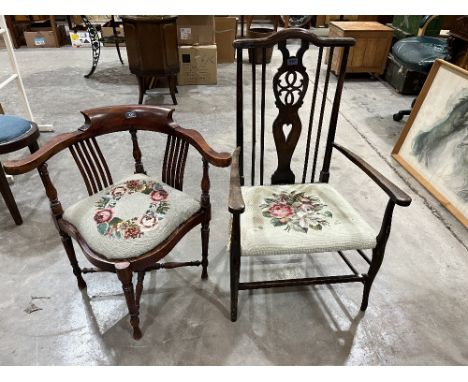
(377, 259)
(8, 197)
(68, 245)
(141, 88)
(173, 88)
(125, 275)
(378, 253)
(235, 265)
(33, 147)
(235, 270)
(205, 237)
(205, 225)
(365, 295)
(139, 289)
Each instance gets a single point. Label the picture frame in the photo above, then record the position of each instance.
(433, 146)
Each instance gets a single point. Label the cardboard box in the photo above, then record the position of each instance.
(225, 28)
(108, 32)
(80, 39)
(195, 30)
(198, 65)
(45, 38)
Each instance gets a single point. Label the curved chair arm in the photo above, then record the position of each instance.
(236, 202)
(397, 195)
(424, 23)
(62, 141)
(207, 152)
(35, 160)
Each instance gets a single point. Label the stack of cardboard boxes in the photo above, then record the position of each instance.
(197, 50)
(204, 41)
(225, 28)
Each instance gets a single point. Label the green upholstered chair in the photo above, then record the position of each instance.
(418, 53)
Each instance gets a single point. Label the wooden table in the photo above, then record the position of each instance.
(373, 43)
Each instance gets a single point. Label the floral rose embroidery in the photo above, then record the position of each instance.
(148, 221)
(103, 216)
(280, 211)
(296, 211)
(135, 185)
(132, 233)
(119, 191)
(110, 225)
(158, 195)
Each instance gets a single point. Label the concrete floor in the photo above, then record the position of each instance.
(418, 305)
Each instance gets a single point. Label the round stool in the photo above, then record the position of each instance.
(15, 134)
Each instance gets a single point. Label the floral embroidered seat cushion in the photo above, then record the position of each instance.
(300, 218)
(130, 217)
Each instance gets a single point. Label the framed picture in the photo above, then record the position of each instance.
(433, 146)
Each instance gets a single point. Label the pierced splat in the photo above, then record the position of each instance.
(289, 86)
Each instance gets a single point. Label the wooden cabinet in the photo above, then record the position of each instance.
(373, 43)
(152, 50)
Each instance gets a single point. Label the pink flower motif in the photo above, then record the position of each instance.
(148, 221)
(159, 195)
(136, 185)
(132, 233)
(280, 211)
(103, 216)
(118, 191)
(307, 207)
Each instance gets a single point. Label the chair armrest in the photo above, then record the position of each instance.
(236, 202)
(196, 140)
(35, 160)
(397, 195)
(424, 24)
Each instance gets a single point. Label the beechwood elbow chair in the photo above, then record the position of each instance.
(128, 226)
(285, 217)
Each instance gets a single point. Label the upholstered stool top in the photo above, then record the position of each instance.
(300, 219)
(12, 127)
(419, 53)
(131, 217)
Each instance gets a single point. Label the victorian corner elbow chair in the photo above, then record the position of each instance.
(128, 226)
(285, 218)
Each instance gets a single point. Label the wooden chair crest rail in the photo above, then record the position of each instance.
(111, 241)
(286, 217)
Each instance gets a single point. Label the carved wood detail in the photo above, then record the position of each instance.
(139, 169)
(290, 85)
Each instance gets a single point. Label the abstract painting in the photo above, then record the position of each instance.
(433, 146)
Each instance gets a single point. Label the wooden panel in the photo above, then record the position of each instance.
(373, 42)
(360, 26)
(371, 51)
(338, 53)
(383, 48)
(358, 52)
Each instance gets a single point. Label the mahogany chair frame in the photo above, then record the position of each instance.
(293, 69)
(96, 175)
